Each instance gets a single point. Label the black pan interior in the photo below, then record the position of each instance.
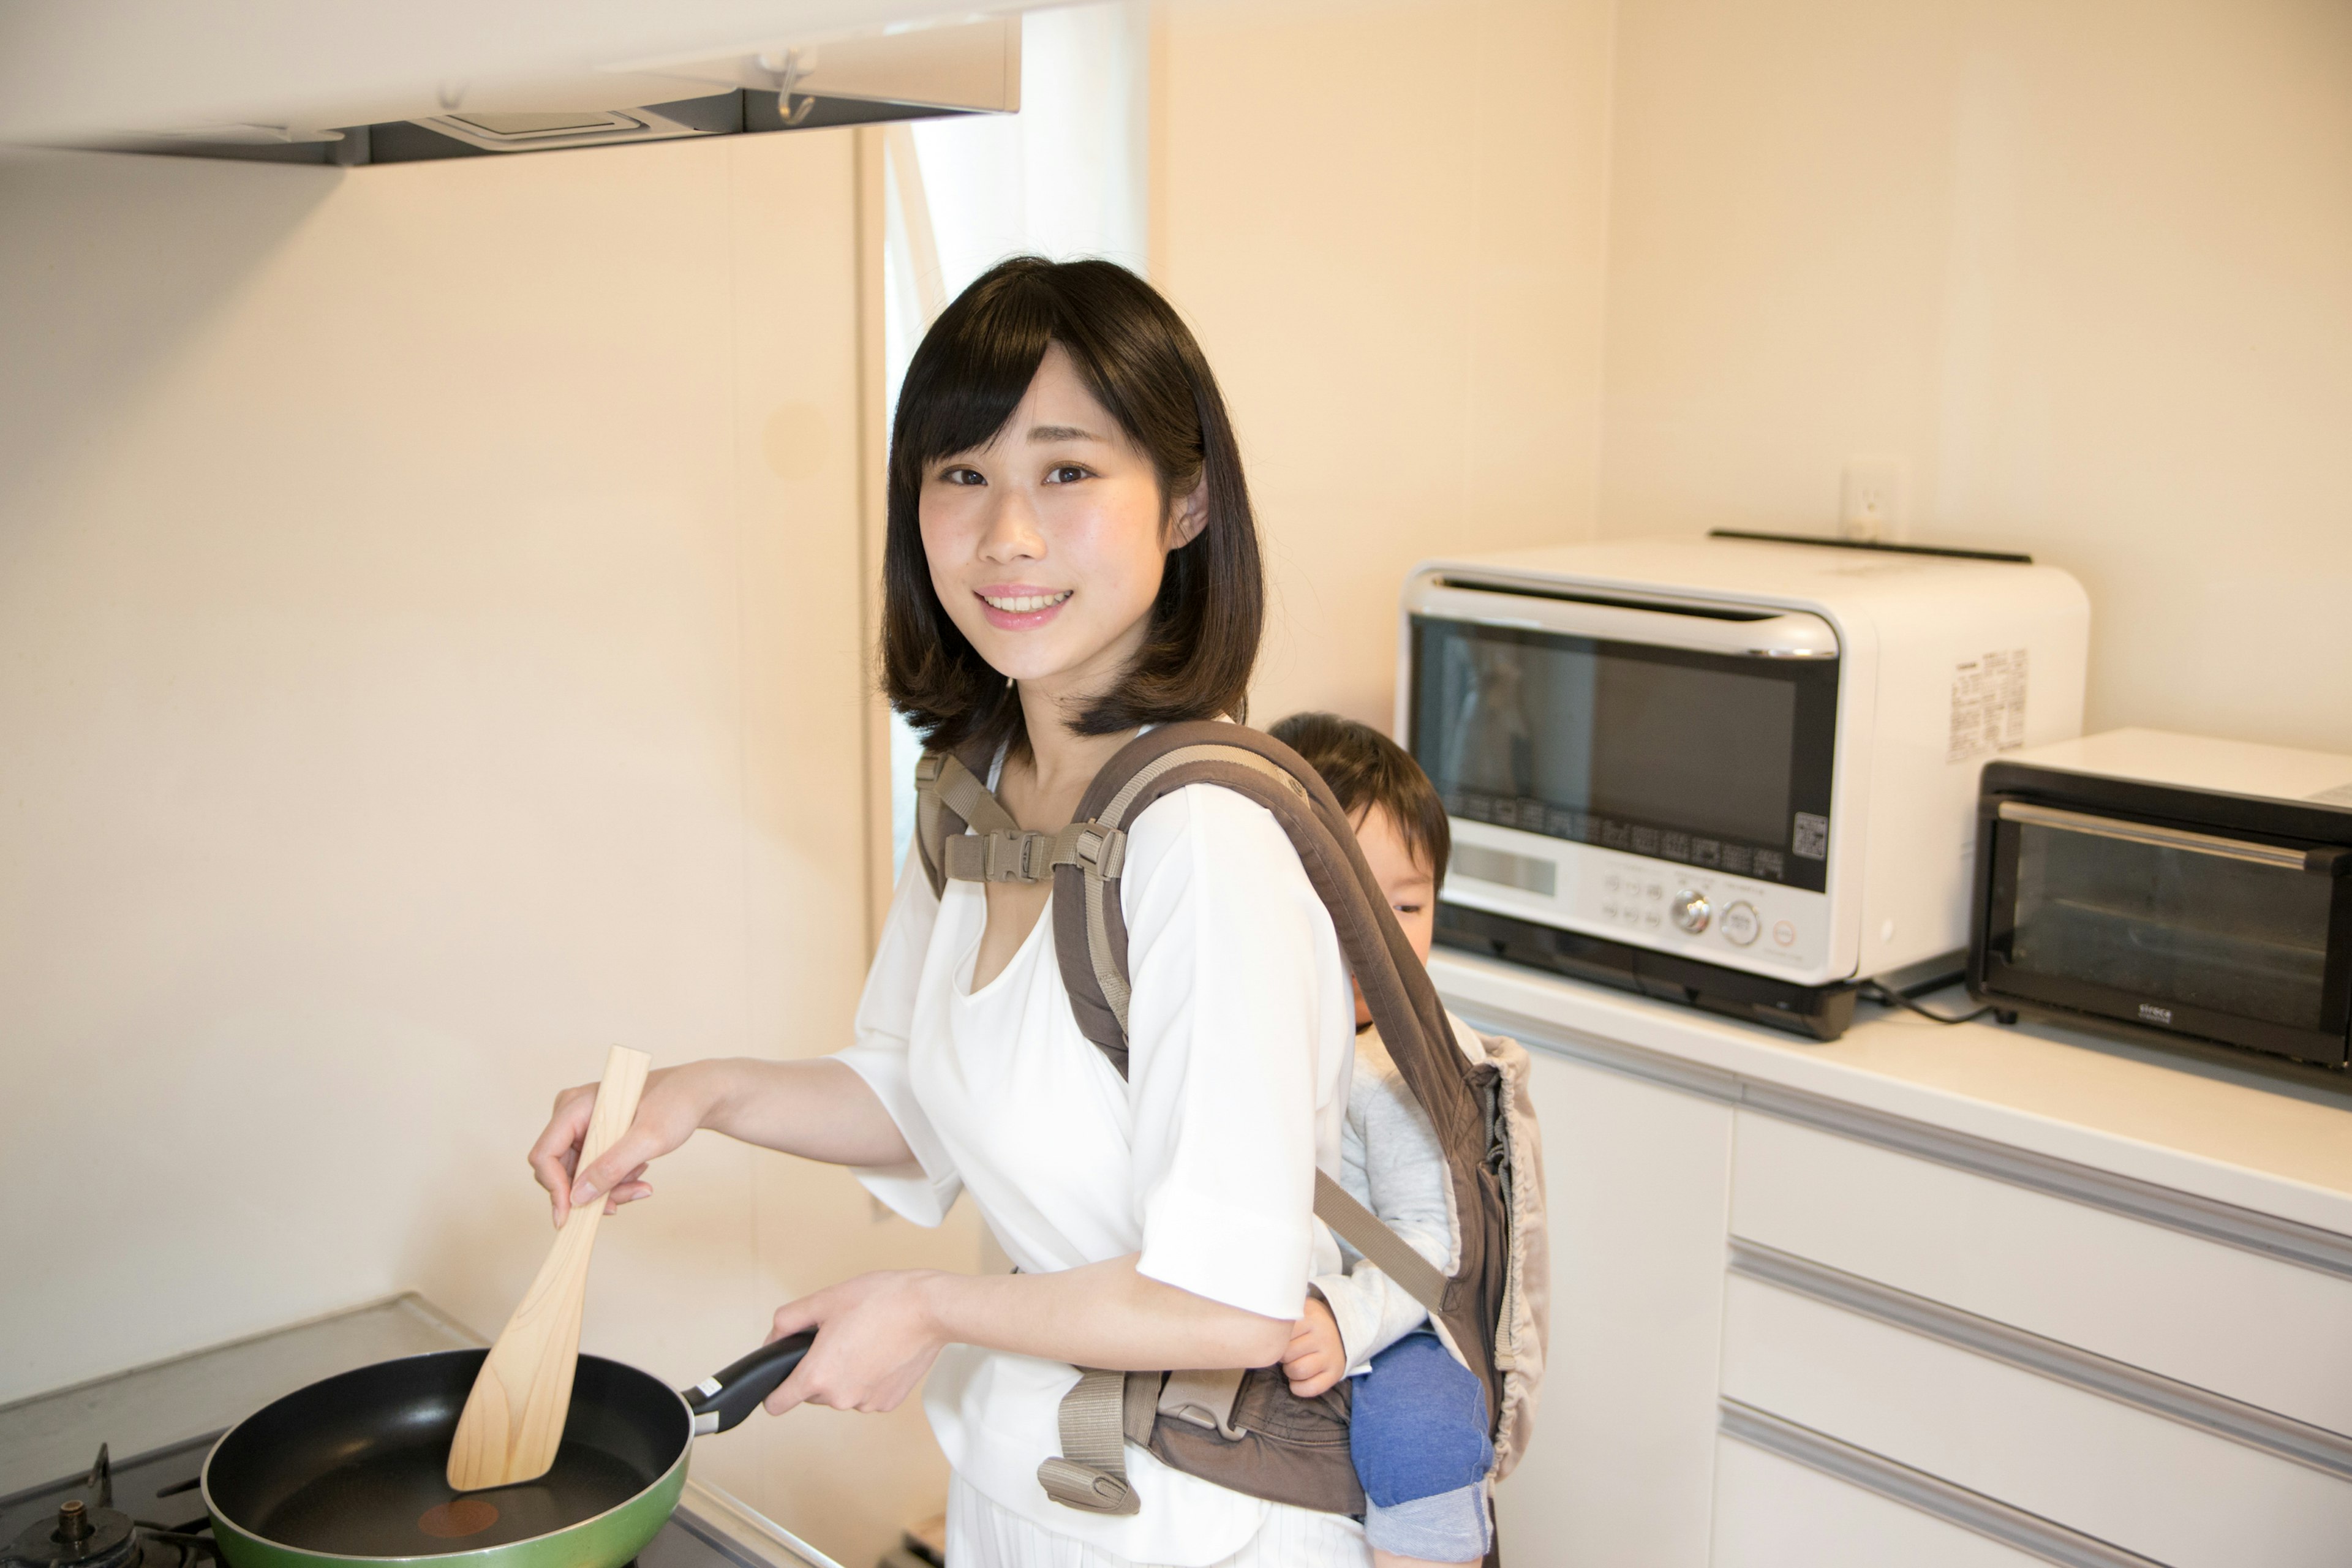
(353, 1465)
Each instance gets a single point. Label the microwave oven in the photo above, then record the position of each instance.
(1732, 771)
(2181, 890)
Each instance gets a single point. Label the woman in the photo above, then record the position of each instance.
(1070, 557)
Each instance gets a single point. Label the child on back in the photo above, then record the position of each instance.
(1417, 1428)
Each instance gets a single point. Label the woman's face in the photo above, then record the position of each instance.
(1047, 545)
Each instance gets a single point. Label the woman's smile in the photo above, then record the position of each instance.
(1018, 606)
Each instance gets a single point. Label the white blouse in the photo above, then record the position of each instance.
(1240, 1033)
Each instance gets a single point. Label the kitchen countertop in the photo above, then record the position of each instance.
(2219, 1134)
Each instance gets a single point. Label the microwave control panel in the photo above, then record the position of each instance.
(1738, 922)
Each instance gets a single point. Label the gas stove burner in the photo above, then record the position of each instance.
(79, 1536)
(90, 1532)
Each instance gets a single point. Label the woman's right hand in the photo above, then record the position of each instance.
(675, 1102)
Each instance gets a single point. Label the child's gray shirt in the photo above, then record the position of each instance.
(1391, 1163)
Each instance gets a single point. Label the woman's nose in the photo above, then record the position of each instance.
(1012, 532)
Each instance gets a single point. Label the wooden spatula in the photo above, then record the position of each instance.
(513, 1421)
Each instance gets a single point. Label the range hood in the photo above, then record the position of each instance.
(955, 67)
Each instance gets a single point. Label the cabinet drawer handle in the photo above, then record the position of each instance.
(2028, 1532)
(2283, 1436)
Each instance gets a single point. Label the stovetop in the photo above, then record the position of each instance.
(147, 1512)
(144, 1514)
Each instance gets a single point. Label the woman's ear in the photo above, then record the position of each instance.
(1191, 517)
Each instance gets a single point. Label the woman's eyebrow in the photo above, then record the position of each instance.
(1061, 433)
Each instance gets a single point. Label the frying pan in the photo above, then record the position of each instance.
(351, 1470)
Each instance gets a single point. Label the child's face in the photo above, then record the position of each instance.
(1408, 884)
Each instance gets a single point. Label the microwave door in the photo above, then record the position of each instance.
(2193, 932)
(1714, 760)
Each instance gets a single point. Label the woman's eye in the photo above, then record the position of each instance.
(1065, 474)
(1406, 909)
(960, 477)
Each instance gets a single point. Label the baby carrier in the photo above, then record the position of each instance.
(1245, 1429)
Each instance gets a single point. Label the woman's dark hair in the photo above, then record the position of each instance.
(1141, 363)
(1365, 769)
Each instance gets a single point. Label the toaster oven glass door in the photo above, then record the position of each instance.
(1715, 760)
(2201, 933)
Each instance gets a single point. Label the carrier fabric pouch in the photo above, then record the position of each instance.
(1272, 1444)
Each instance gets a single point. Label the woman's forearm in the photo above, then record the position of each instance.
(816, 1108)
(1103, 1314)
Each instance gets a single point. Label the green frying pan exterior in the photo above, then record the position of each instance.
(349, 1472)
(608, 1540)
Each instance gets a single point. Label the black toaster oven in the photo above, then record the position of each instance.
(2178, 888)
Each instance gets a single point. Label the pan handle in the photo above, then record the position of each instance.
(722, 1400)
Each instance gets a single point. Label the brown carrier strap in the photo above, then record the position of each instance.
(997, 849)
(1460, 1098)
(1383, 1248)
(949, 798)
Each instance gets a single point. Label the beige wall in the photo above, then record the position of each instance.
(2086, 272)
(1384, 221)
(2087, 269)
(425, 597)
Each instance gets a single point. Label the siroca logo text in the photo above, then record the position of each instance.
(2154, 1013)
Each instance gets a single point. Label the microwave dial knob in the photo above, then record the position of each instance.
(1691, 911)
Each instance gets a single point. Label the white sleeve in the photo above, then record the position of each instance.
(1238, 1030)
(923, 1189)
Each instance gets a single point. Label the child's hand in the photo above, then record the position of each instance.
(1315, 1359)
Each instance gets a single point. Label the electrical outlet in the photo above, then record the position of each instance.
(1870, 500)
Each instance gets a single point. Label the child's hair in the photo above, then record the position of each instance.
(1139, 359)
(1365, 769)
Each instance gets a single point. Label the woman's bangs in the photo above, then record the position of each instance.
(965, 382)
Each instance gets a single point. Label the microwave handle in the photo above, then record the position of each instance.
(1772, 633)
(2326, 862)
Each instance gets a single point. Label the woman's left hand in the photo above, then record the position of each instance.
(876, 1336)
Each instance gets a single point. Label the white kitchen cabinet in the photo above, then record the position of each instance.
(1637, 1177)
(1979, 1297)
(1771, 1512)
(2254, 1327)
(2164, 1488)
